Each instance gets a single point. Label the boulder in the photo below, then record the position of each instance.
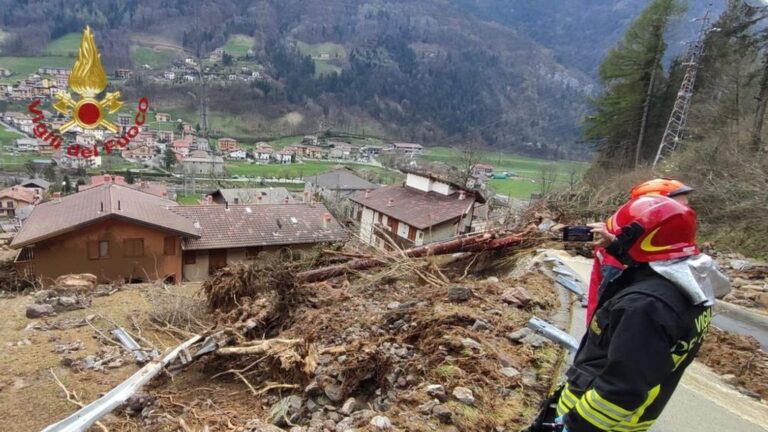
(519, 335)
(459, 293)
(82, 282)
(286, 410)
(40, 310)
(464, 395)
(443, 414)
(509, 372)
(381, 422)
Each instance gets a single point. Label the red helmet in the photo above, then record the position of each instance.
(656, 228)
(661, 186)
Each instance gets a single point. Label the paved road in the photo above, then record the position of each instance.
(702, 402)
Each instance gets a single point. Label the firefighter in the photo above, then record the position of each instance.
(605, 267)
(649, 323)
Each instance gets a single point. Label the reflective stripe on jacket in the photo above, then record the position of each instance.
(643, 335)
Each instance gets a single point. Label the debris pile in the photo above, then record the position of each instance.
(418, 344)
(749, 281)
(739, 359)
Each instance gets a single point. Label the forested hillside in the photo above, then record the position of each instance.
(421, 70)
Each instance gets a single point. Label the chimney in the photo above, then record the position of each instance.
(118, 206)
(57, 196)
(143, 184)
(258, 199)
(306, 197)
(462, 194)
(102, 207)
(367, 193)
(286, 200)
(226, 205)
(208, 199)
(390, 203)
(14, 188)
(107, 178)
(326, 220)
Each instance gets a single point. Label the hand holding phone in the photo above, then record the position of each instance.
(578, 233)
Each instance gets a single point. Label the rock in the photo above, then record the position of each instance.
(471, 344)
(312, 406)
(313, 389)
(529, 376)
(496, 312)
(351, 405)
(381, 422)
(464, 395)
(329, 425)
(481, 325)
(39, 310)
(443, 414)
(753, 287)
(116, 363)
(76, 282)
(426, 407)
(298, 429)
(546, 224)
(393, 305)
(492, 279)
(763, 299)
(519, 335)
(401, 382)
(436, 391)
(508, 297)
(336, 417)
(509, 372)
(66, 348)
(136, 403)
(257, 425)
(738, 282)
(334, 392)
(535, 340)
(286, 410)
(459, 293)
(740, 264)
(749, 393)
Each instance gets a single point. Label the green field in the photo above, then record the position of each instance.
(7, 138)
(66, 45)
(322, 66)
(23, 66)
(156, 58)
(297, 170)
(188, 199)
(529, 170)
(238, 45)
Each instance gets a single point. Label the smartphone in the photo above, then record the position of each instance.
(578, 233)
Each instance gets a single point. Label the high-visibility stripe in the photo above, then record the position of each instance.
(567, 401)
(593, 417)
(640, 427)
(607, 407)
(652, 395)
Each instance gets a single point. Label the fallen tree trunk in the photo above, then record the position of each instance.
(259, 347)
(474, 243)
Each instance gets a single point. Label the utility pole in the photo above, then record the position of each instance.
(673, 134)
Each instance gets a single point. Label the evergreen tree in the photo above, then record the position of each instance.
(129, 177)
(169, 158)
(634, 81)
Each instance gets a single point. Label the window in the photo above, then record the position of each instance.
(411, 233)
(252, 252)
(9, 204)
(392, 223)
(98, 249)
(133, 248)
(190, 257)
(169, 246)
(381, 218)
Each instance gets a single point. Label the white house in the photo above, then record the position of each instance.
(284, 157)
(27, 145)
(169, 75)
(238, 154)
(424, 209)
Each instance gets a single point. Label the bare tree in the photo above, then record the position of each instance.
(547, 178)
(573, 178)
(470, 154)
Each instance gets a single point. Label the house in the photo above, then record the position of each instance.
(276, 195)
(181, 146)
(153, 188)
(337, 184)
(166, 136)
(482, 170)
(27, 144)
(36, 183)
(284, 157)
(169, 75)
(237, 154)
(124, 121)
(15, 198)
(112, 231)
(47, 70)
(371, 151)
(141, 152)
(408, 148)
(123, 73)
(423, 210)
(212, 165)
(232, 234)
(162, 117)
(65, 160)
(199, 154)
(263, 152)
(227, 145)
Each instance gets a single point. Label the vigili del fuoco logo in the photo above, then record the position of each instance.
(87, 80)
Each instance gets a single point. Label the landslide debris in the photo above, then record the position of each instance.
(739, 359)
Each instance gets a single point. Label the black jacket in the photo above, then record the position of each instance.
(644, 334)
